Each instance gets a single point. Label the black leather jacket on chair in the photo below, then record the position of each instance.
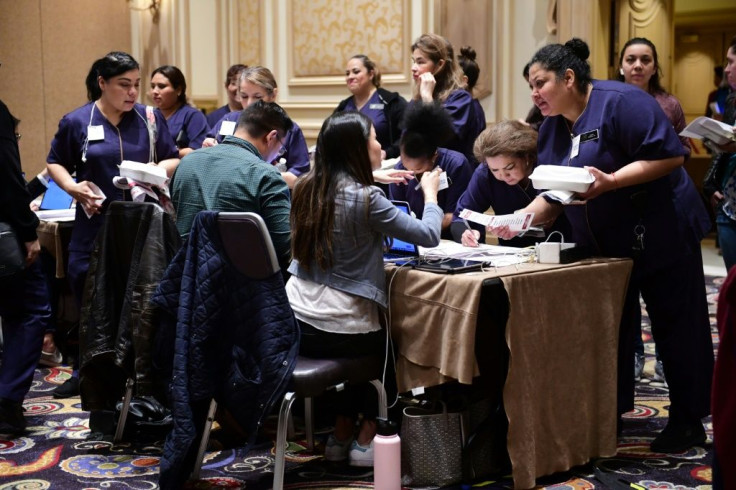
(132, 251)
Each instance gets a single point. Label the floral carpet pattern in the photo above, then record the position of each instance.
(54, 453)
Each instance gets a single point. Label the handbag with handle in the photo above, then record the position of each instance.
(12, 258)
(432, 446)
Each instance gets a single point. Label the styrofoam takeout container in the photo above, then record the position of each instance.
(559, 178)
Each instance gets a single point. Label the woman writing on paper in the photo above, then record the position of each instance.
(92, 141)
(507, 151)
(339, 222)
(621, 136)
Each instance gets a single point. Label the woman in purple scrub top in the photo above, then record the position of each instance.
(233, 100)
(386, 109)
(623, 138)
(187, 125)
(426, 126)
(437, 78)
(91, 142)
(258, 83)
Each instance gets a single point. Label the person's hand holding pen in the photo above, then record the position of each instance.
(470, 236)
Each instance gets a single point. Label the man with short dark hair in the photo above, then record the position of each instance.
(234, 176)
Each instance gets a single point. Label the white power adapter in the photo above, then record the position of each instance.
(549, 252)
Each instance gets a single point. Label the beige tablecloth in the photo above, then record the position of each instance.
(562, 334)
(54, 237)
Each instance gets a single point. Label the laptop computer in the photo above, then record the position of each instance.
(449, 266)
(55, 198)
(399, 251)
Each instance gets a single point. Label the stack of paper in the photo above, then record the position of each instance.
(706, 128)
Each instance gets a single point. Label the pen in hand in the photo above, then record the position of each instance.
(472, 240)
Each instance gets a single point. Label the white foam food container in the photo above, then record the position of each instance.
(559, 178)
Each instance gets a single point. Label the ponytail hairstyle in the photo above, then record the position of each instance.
(111, 65)
(559, 58)
(470, 67)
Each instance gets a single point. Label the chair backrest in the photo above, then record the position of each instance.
(248, 244)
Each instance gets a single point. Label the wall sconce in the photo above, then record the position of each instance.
(140, 6)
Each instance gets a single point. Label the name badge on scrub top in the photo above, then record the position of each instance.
(227, 128)
(95, 133)
(376, 106)
(444, 182)
(575, 147)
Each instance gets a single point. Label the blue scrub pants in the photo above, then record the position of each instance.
(25, 310)
(678, 309)
(726, 238)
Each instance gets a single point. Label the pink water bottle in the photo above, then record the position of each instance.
(386, 456)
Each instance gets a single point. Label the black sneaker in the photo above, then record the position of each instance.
(678, 437)
(12, 420)
(68, 389)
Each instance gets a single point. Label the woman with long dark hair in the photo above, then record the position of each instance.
(339, 222)
(187, 125)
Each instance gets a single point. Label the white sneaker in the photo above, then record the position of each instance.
(337, 450)
(361, 455)
(50, 359)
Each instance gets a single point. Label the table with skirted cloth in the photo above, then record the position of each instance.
(548, 332)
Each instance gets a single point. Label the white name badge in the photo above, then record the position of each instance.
(575, 146)
(227, 128)
(444, 182)
(95, 133)
(376, 106)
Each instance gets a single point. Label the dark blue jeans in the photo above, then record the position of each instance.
(25, 312)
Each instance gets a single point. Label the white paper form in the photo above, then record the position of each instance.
(516, 222)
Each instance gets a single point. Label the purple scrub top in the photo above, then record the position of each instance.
(295, 150)
(216, 115)
(192, 121)
(458, 171)
(459, 105)
(103, 157)
(375, 111)
(620, 124)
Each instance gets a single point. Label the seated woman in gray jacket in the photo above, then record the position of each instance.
(339, 222)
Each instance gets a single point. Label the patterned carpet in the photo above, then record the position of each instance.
(54, 453)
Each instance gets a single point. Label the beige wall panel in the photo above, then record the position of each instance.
(459, 21)
(249, 32)
(325, 33)
(48, 48)
(21, 78)
(590, 21)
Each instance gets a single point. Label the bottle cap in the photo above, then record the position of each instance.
(386, 427)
